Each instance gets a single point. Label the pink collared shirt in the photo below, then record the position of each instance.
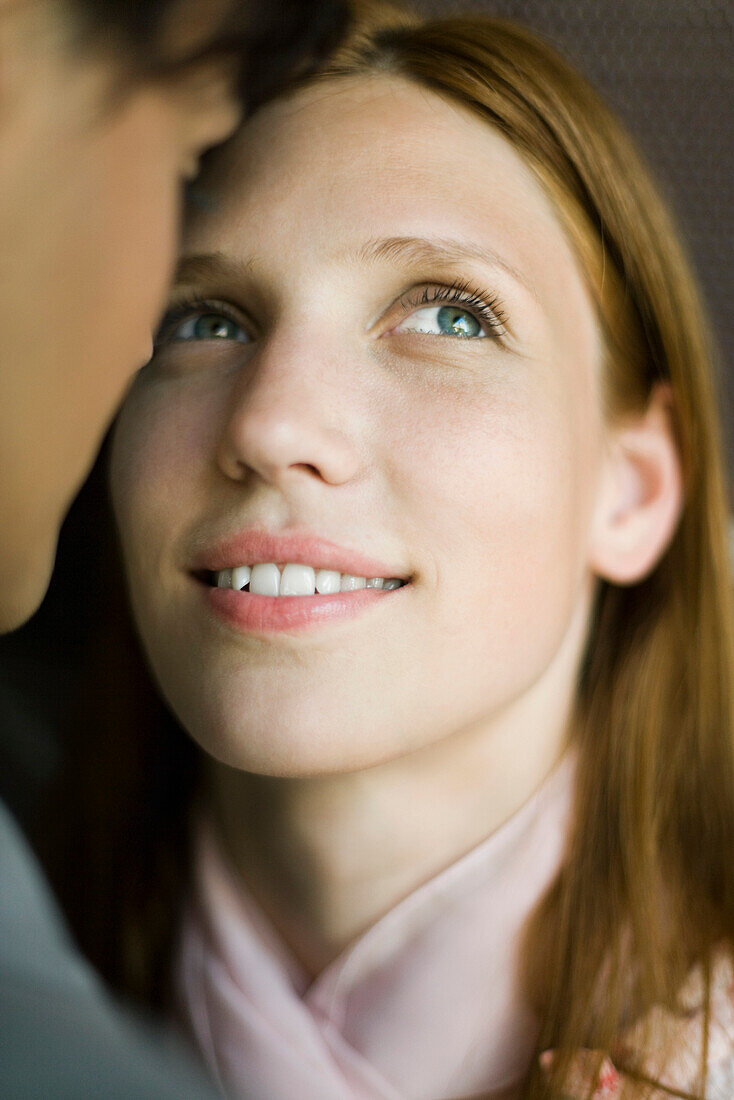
(425, 1005)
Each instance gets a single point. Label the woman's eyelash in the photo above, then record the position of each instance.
(186, 308)
(485, 307)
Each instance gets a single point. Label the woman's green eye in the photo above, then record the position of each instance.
(443, 321)
(212, 326)
(209, 326)
(457, 322)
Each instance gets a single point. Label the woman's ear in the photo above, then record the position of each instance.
(640, 496)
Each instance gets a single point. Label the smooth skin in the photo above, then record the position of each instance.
(352, 762)
(90, 194)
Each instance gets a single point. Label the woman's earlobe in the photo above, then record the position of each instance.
(640, 494)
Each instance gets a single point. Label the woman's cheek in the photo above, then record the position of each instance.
(513, 514)
(157, 440)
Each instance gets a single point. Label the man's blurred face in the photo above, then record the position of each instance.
(90, 191)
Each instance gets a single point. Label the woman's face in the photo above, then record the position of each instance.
(387, 364)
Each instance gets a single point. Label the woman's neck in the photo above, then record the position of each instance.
(327, 856)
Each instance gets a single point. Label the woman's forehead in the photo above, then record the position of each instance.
(385, 132)
(366, 157)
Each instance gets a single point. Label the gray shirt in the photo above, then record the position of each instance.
(61, 1033)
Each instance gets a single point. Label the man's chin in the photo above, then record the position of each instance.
(22, 589)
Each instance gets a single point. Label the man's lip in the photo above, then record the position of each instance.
(250, 547)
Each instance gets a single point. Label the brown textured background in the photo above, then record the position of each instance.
(667, 67)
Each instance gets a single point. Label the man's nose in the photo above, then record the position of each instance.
(290, 416)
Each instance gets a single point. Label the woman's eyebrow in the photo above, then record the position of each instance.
(441, 250)
(210, 267)
(219, 267)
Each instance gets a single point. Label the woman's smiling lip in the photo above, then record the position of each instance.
(253, 614)
(255, 545)
(258, 614)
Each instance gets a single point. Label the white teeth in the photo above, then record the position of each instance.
(351, 583)
(297, 580)
(327, 582)
(265, 579)
(240, 577)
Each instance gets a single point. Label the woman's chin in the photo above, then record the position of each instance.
(284, 759)
(289, 749)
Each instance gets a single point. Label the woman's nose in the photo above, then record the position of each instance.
(287, 418)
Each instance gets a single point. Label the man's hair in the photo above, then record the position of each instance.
(268, 40)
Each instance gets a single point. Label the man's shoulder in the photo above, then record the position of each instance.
(32, 931)
(61, 1034)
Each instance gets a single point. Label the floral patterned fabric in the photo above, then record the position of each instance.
(680, 1033)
